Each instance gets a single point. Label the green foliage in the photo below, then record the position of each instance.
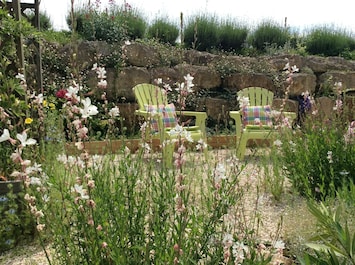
(317, 159)
(268, 33)
(164, 31)
(16, 222)
(201, 33)
(232, 36)
(99, 26)
(328, 41)
(135, 23)
(12, 94)
(44, 21)
(335, 243)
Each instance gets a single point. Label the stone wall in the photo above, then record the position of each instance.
(219, 76)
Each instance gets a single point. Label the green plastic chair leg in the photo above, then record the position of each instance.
(242, 147)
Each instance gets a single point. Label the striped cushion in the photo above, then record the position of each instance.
(168, 115)
(257, 115)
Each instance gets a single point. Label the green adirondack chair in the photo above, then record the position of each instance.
(154, 107)
(260, 97)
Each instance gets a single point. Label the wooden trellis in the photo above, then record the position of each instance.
(17, 10)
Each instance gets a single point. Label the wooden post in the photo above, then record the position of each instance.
(38, 48)
(20, 54)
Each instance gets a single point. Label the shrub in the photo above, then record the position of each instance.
(328, 41)
(164, 31)
(201, 33)
(268, 33)
(320, 158)
(44, 20)
(99, 26)
(232, 36)
(134, 22)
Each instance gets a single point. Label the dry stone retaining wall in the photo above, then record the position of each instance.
(144, 64)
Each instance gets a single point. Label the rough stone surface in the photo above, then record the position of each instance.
(301, 83)
(216, 74)
(239, 81)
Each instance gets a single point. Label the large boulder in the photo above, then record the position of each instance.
(302, 82)
(138, 54)
(239, 81)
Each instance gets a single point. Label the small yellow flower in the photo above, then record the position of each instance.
(45, 104)
(51, 106)
(28, 121)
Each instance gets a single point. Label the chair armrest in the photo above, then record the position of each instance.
(200, 117)
(237, 117)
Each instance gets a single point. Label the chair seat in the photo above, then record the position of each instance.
(257, 96)
(151, 95)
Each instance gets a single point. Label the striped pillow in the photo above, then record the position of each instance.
(257, 115)
(168, 115)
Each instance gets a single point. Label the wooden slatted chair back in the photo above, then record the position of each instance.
(258, 96)
(148, 94)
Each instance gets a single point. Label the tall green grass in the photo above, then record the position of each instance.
(201, 33)
(164, 31)
(329, 41)
(268, 33)
(232, 36)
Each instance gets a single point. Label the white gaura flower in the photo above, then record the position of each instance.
(243, 101)
(23, 139)
(72, 92)
(101, 72)
(88, 110)
(35, 181)
(114, 112)
(79, 189)
(5, 136)
(219, 173)
(102, 84)
(188, 79)
(21, 77)
(278, 143)
(294, 69)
